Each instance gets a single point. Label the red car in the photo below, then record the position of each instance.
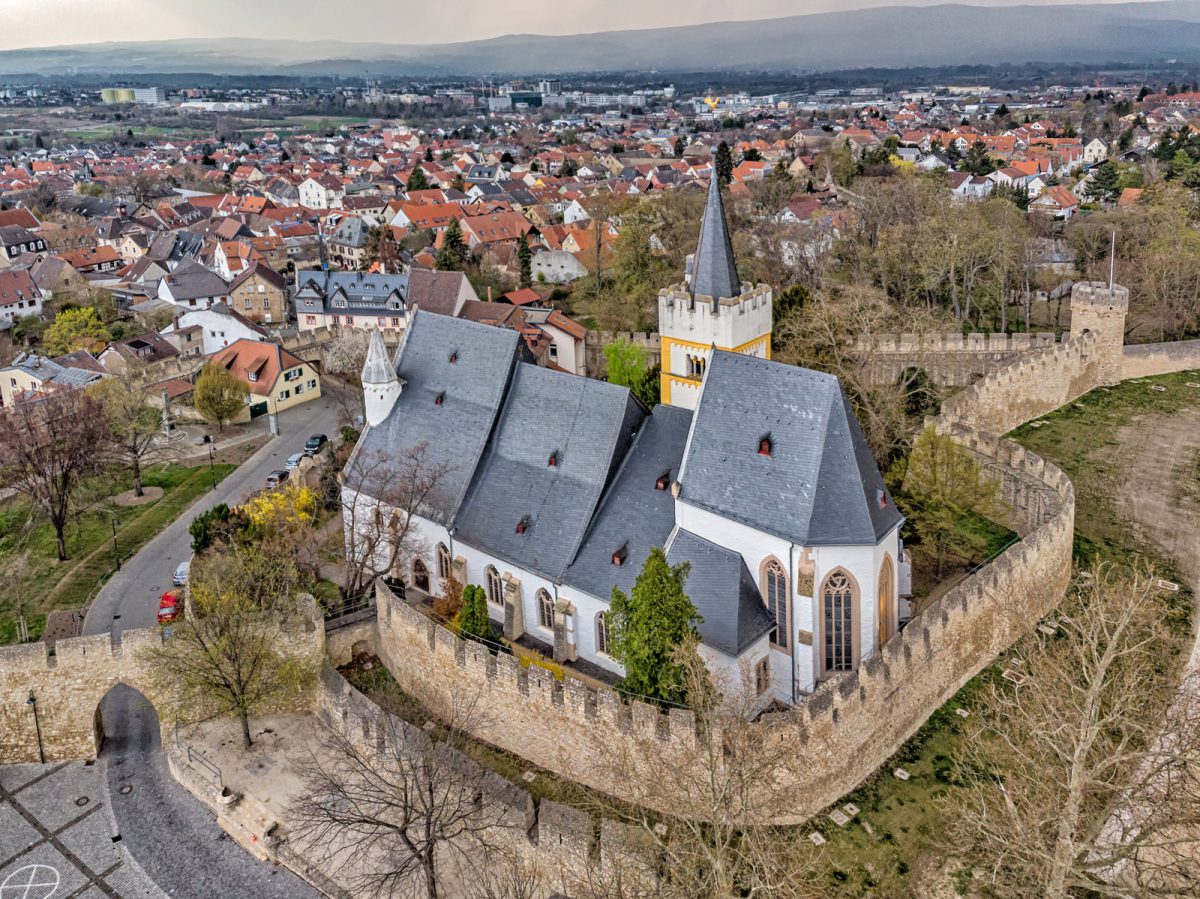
(168, 608)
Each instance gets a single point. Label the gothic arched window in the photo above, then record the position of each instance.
(545, 607)
(601, 634)
(495, 591)
(443, 558)
(775, 592)
(837, 602)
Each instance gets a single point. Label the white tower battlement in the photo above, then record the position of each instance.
(711, 309)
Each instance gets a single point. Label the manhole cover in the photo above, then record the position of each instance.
(82, 801)
(126, 790)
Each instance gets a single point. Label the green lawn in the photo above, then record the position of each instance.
(43, 584)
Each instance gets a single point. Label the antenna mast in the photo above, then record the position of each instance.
(1112, 261)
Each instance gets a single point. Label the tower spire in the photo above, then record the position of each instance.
(714, 273)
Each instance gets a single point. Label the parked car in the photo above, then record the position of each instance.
(277, 477)
(293, 461)
(315, 442)
(179, 579)
(168, 608)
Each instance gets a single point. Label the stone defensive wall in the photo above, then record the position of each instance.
(565, 845)
(950, 359)
(1028, 388)
(68, 682)
(841, 733)
(1147, 359)
(67, 686)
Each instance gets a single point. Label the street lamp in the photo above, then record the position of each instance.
(32, 703)
(211, 470)
(116, 549)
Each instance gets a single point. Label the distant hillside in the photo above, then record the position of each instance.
(891, 37)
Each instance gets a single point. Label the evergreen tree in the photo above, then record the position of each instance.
(724, 163)
(647, 626)
(429, 154)
(978, 161)
(417, 180)
(1105, 183)
(525, 260)
(1002, 110)
(473, 619)
(679, 145)
(452, 257)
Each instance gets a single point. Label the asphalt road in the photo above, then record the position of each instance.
(172, 835)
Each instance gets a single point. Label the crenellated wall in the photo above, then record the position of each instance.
(1028, 388)
(950, 359)
(594, 361)
(69, 681)
(841, 732)
(67, 687)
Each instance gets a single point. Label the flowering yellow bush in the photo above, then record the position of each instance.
(289, 507)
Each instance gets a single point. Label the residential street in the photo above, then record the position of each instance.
(173, 836)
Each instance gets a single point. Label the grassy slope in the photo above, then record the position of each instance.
(45, 583)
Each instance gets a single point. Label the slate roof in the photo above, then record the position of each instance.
(723, 592)
(633, 514)
(190, 280)
(366, 293)
(714, 273)
(588, 426)
(819, 486)
(455, 432)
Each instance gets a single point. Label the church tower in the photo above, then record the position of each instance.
(381, 385)
(711, 309)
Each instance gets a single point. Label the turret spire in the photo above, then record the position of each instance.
(377, 369)
(714, 273)
(381, 384)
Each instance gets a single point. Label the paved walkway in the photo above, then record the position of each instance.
(58, 837)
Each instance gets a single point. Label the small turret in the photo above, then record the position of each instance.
(381, 385)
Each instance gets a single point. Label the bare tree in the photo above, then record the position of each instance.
(132, 421)
(1082, 778)
(47, 448)
(240, 648)
(392, 810)
(705, 847)
(383, 494)
(825, 334)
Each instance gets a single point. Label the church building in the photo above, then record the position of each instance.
(555, 487)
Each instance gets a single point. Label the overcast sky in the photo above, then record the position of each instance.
(36, 23)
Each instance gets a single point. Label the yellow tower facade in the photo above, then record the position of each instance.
(710, 310)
